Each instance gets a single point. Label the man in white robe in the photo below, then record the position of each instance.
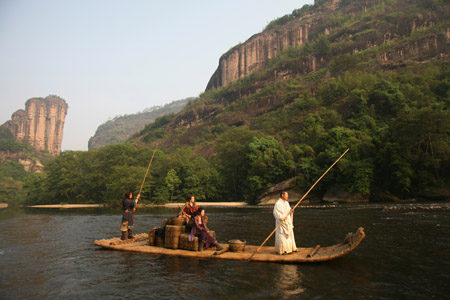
(284, 236)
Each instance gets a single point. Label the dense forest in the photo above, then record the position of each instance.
(236, 141)
(397, 126)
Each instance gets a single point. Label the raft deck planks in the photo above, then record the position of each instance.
(266, 254)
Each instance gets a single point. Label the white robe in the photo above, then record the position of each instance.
(284, 236)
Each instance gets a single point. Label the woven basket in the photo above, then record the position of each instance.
(178, 221)
(172, 238)
(236, 245)
(186, 244)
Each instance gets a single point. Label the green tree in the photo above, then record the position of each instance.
(172, 182)
(321, 46)
(387, 99)
(268, 163)
(232, 163)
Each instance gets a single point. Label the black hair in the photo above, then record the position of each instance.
(127, 195)
(198, 212)
(281, 193)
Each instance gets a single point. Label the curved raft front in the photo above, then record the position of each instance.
(265, 254)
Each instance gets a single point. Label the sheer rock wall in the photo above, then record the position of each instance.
(41, 124)
(253, 54)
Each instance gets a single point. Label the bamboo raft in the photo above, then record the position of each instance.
(267, 254)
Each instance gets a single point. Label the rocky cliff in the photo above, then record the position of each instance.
(326, 18)
(41, 124)
(250, 56)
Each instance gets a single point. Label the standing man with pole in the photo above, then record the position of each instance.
(299, 201)
(128, 207)
(284, 236)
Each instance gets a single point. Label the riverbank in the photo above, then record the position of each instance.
(169, 205)
(65, 205)
(200, 204)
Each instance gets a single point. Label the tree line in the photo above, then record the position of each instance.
(397, 125)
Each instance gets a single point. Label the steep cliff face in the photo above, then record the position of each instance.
(253, 54)
(326, 19)
(41, 124)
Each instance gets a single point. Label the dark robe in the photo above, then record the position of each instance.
(200, 230)
(128, 211)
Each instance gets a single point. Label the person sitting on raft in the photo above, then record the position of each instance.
(128, 207)
(190, 209)
(200, 230)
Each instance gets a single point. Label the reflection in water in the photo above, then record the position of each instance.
(288, 283)
(50, 255)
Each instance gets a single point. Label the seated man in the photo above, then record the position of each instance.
(200, 230)
(190, 208)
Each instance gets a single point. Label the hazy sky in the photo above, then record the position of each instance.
(115, 57)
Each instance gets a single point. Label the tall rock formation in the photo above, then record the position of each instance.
(41, 124)
(254, 54)
(251, 56)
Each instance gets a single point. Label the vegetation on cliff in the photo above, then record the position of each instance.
(121, 128)
(287, 120)
(14, 156)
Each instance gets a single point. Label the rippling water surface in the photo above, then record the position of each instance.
(49, 254)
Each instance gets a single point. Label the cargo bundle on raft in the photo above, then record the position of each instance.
(173, 239)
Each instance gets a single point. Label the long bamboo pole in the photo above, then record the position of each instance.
(292, 210)
(143, 181)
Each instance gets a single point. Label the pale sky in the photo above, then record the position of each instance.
(113, 57)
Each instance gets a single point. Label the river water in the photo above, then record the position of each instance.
(49, 254)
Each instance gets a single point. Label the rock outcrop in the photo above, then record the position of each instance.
(29, 163)
(41, 124)
(258, 50)
(255, 52)
(251, 56)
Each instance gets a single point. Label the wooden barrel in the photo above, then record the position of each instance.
(236, 245)
(172, 238)
(151, 237)
(186, 244)
(179, 221)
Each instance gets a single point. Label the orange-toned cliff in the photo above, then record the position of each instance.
(258, 50)
(41, 124)
(251, 56)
